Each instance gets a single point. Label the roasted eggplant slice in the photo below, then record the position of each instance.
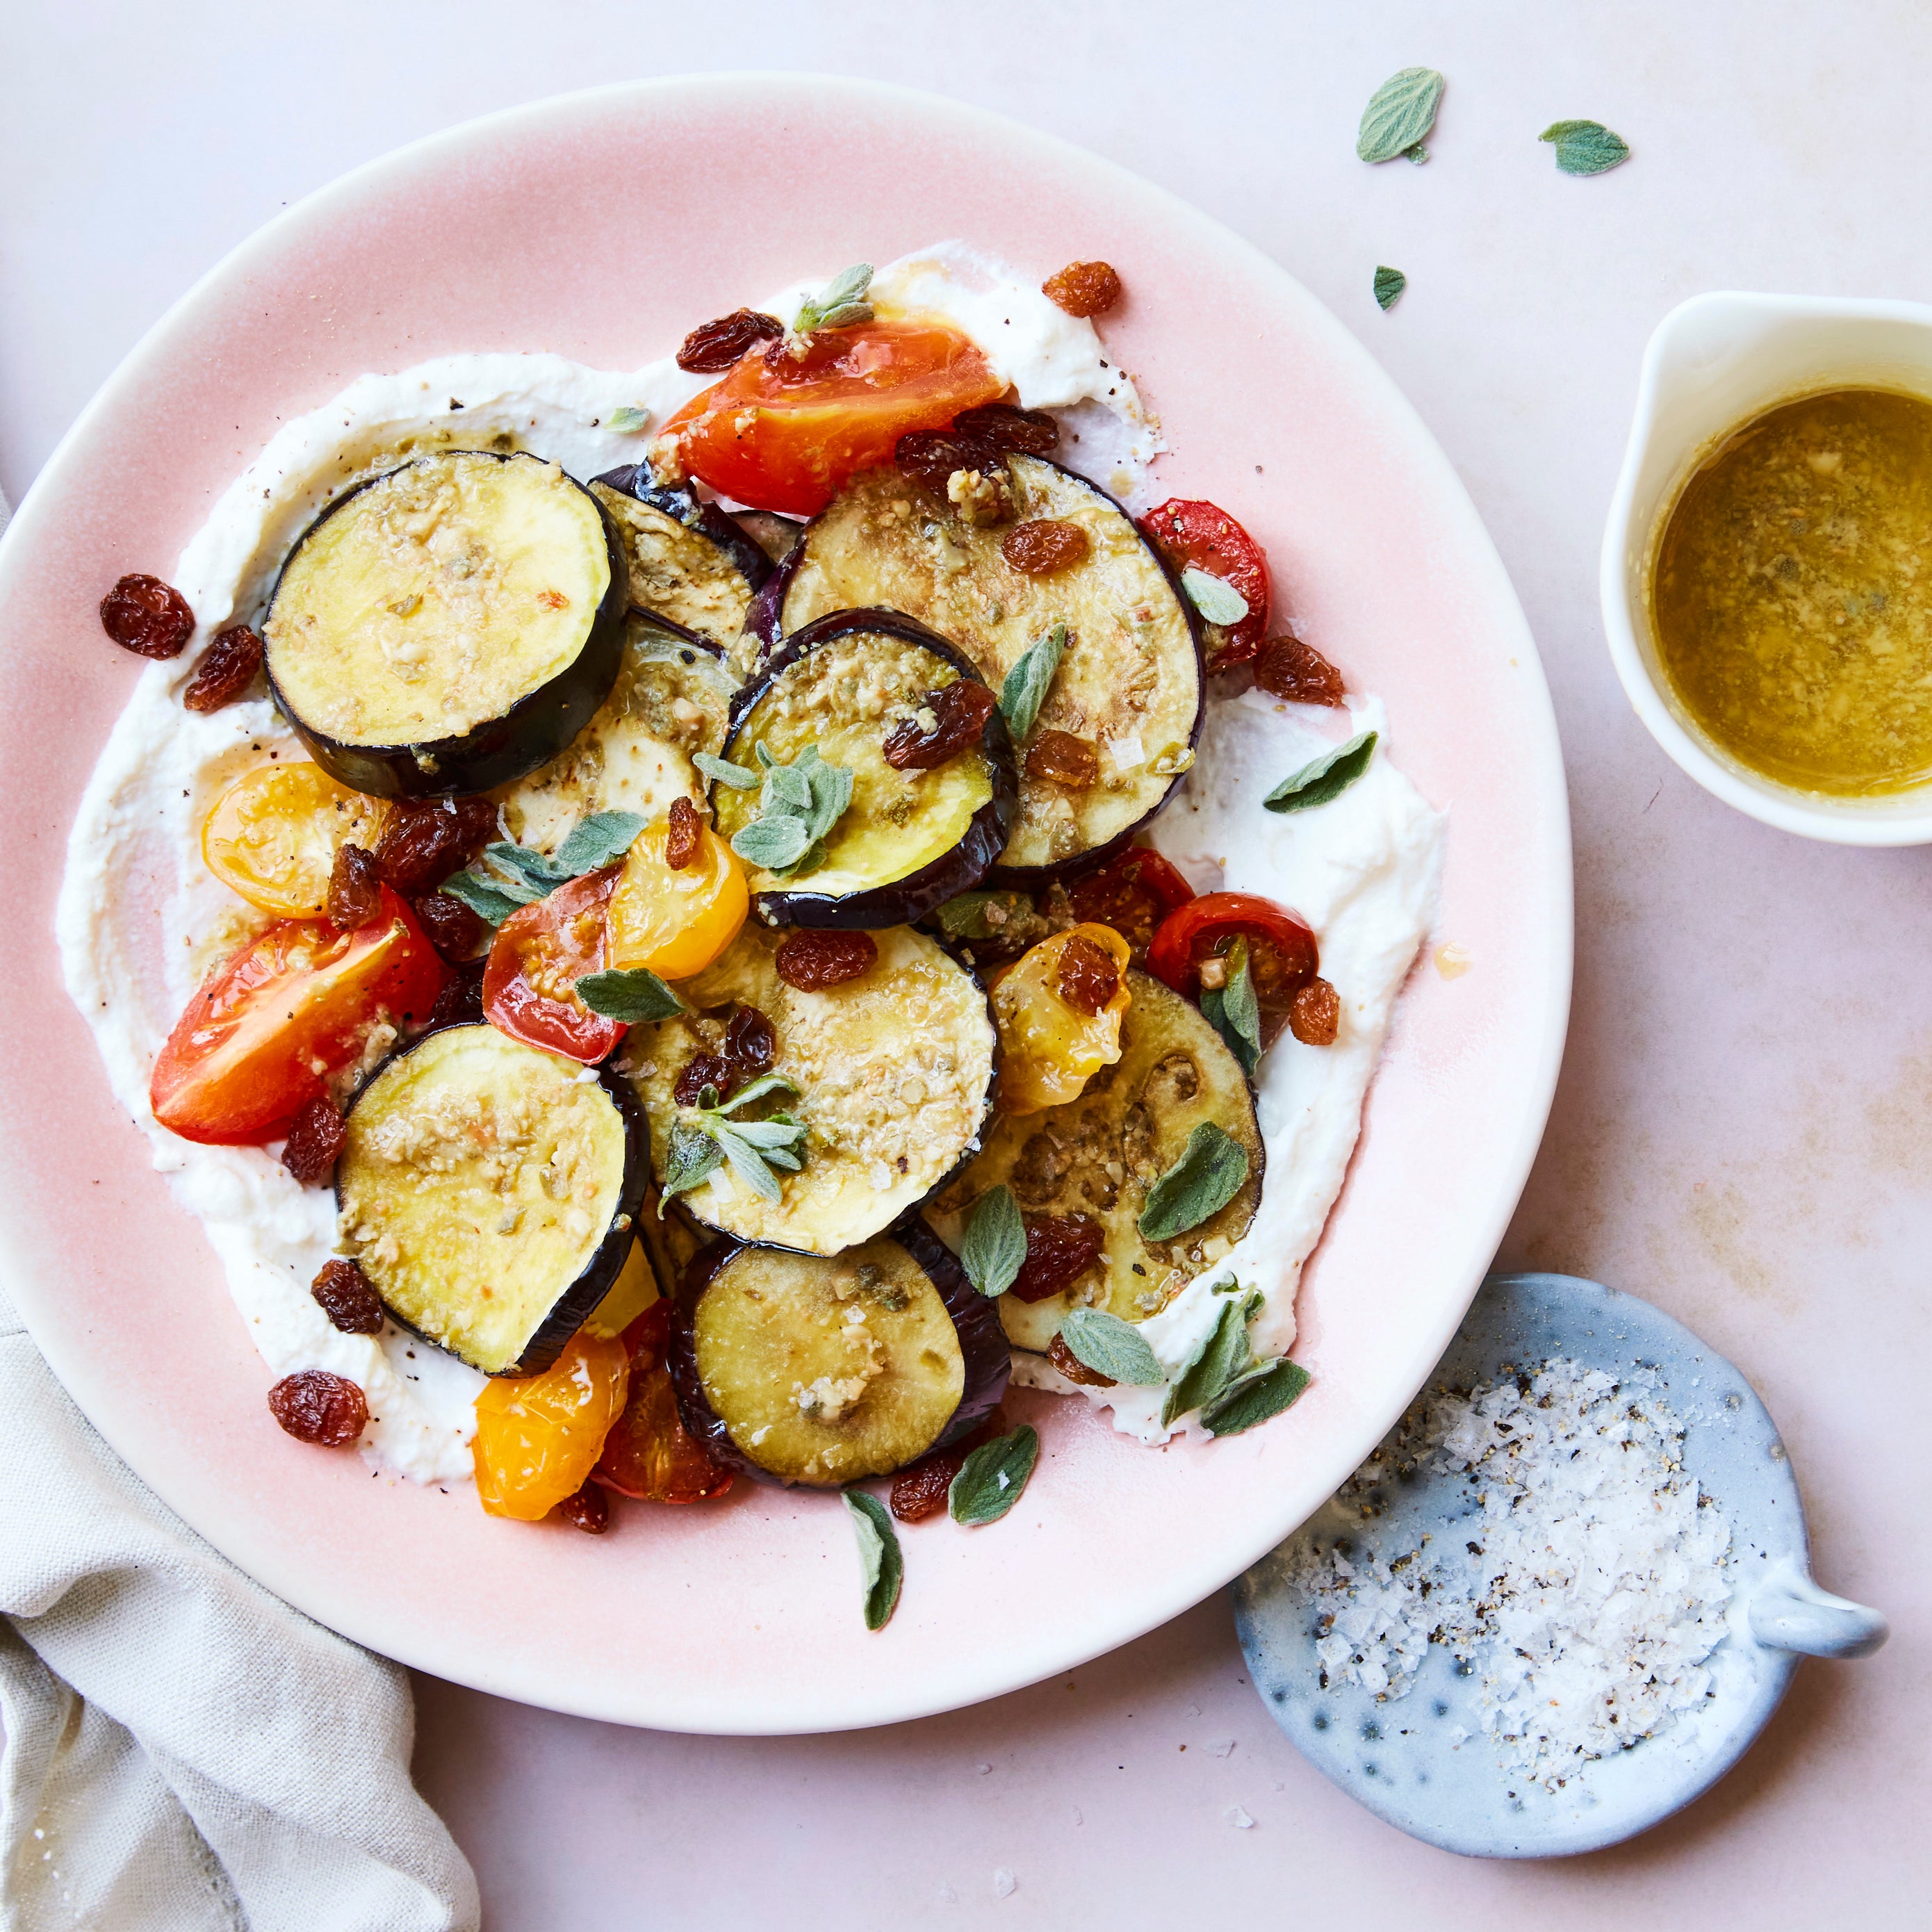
(671, 701)
(801, 1369)
(934, 787)
(448, 626)
(891, 1075)
(491, 1192)
(1098, 1156)
(689, 561)
(1128, 687)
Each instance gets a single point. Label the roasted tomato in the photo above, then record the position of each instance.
(781, 433)
(1196, 535)
(674, 921)
(252, 1047)
(1133, 894)
(1282, 956)
(273, 835)
(648, 1453)
(538, 1437)
(540, 952)
(1058, 1009)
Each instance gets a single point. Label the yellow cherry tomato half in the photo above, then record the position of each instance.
(1058, 1010)
(675, 923)
(273, 835)
(538, 1437)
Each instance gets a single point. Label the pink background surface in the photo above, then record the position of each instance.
(1743, 1127)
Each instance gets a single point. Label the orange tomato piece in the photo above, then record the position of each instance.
(648, 1453)
(273, 835)
(1049, 1047)
(538, 1437)
(781, 434)
(675, 923)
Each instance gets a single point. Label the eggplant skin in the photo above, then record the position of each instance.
(986, 1359)
(905, 901)
(498, 752)
(698, 567)
(569, 1311)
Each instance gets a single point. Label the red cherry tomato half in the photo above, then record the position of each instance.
(1282, 956)
(1195, 535)
(540, 952)
(785, 434)
(271, 1020)
(648, 1455)
(1132, 894)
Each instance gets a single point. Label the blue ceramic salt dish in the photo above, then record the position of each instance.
(1423, 1761)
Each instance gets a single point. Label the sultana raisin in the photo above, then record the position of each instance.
(999, 426)
(958, 713)
(1083, 288)
(315, 1406)
(425, 840)
(706, 1070)
(355, 888)
(1046, 547)
(921, 1491)
(1088, 976)
(751, 1043)
(683, 834)
(589, 1510)
(1061, 1248)
(143, 615)
(227, 668)
(462, 995)
(1297, 672)
(453, 929)
(1315, 1014)
(1060, 1356)
(932, 456)
(316, 1137)
(809, 961)
(348, 1297)
(1060, 758)
(712, 347)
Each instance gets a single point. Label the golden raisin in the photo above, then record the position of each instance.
(453, 929)
(1060, 1249)
(751, 1043)
(227, 669)
(922, 1490)
(1315, 1014)
(1001, 427)
(347, 1296)
(1088, 977)
(1060, 1356)
(958, 713)
(1083, 288)
(1060, 758)
(589, 1510)
(315, 1406)
(1046, 547)
(425, 840)
(811, 961)
(682, 836)
(712, 347)
(355, 888)
(143, 615)
(1298, 672)
(316, 1137)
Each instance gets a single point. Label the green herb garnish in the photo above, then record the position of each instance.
(740, 778)
(1264, 1391)
(508, 876)
(1027, 684)
(1389, 285)
(990, 1479)
(1215, 1364)
(965, 916)
(635, 995)
(1585, 147)
(628, 420)
(1232, 1010)
(881, 1568)
(1399, 115)
(840, 303)
(994, 1245)
(1112, 1347)
(599, 840)
(799, 805)
(1206, 1176)
(1214, 597)
(1328, 776)
(753, 1148)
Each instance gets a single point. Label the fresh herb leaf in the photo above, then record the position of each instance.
(1399, 114)
(800, 804)
(1585, 147)
(994, 1245)
(881, 1567)
(773, 844)
(787, 789)
(1111, 1347)
(634, 995)
(490, 902)
(737, 776)
(1214, 597)
(628, 420)
(598, 841)
(753, 1148)
(965, 916)
(1263, 1392)
(831, 786)
(1328, 776)
(1027, 683)
(840, 303)
(990, 1479)
(757, 1090)
(748, 1159)
(1206, 1176)
(1215, 1364)
(522, 866)
(1390, 284)
(692, 1158)
(1233, 1012)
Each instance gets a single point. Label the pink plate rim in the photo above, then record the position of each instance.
(541, 227)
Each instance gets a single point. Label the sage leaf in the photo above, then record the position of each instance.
(881, 1567)
(990, 1479)
(1112, 1347)
(775, 844)
(840, 303)
(1219, 1359)
(1389, 285)
(1585, 147)
(1027, 683)
(787, 789)
(1215, 598)
(524, 868)
(765, 1083)
(1233, 1012)
(490, 902)
(994, 1247)
(1326, 777)
(829, 792)
(1399, 114)
(1206, 1176)
(725, 773)
(635, 995)
(628, 420)
(971, 915)
(691, 1158)
(1264, 1391)
(747, 1158)
(597, 841)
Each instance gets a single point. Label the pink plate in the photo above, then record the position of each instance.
(603, 227)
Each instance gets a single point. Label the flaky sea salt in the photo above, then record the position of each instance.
(1589, 1584)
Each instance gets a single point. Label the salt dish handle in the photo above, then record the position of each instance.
(1788, 1612)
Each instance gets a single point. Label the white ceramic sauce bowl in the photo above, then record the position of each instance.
(1713, 363)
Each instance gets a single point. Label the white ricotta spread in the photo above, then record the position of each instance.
(141, 919)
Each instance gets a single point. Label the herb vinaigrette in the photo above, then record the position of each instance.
(1791, 597)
